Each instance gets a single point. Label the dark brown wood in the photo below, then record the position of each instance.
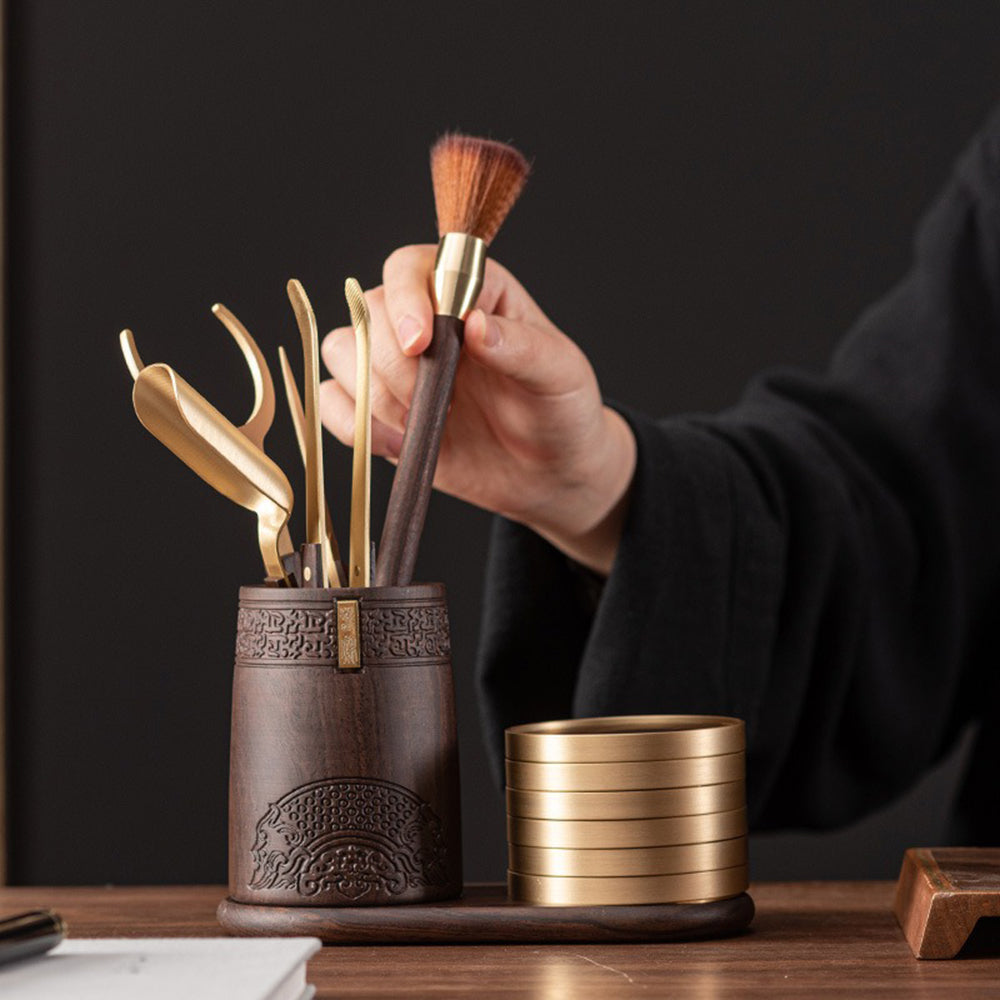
(484, 914)
(311, 557)
(941, 894)
(808, 939)
(343, 783)
(293, 567)
(411, 485)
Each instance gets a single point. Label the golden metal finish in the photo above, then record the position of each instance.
(315, 501)
(198, 434)
(636, 890)
(629, 861)
(458, 274)
(132, 360)
(360, 571)
(295, 410)
(643, 804)
(623, 775)
(621, 833)
(330, 548)
(261, 414)
(348, 635)
(625, 738)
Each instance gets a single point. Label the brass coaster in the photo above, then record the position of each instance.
(641, 804)
(624, 775)
(629, 861)
(625, 738)
(621, 833)
(542, 890)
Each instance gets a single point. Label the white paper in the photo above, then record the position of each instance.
(163, 969)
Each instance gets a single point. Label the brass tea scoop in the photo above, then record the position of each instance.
(201, 437)
(262, 412)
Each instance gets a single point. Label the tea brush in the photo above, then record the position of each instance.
(476, 182)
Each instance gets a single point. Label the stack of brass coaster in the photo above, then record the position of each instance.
(626, 810)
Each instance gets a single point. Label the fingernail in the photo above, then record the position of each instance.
(491, 331)
(408, 332)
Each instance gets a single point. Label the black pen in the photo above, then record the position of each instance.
(27, 934)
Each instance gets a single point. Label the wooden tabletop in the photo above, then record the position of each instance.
(835, 939)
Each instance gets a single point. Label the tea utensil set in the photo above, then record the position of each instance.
(232, 459)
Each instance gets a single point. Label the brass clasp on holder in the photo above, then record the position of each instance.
(348, 635)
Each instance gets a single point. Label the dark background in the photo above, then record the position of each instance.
(736, 180)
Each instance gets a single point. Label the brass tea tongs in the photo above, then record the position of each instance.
(317, 564)
(330, 547)
(228, 458)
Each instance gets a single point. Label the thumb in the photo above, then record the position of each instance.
(542, 361)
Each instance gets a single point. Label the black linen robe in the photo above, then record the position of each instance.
(820, 560)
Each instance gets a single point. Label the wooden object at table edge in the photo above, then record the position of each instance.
(485, 915)
(941, 894)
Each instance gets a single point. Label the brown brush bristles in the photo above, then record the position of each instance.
(476, 182)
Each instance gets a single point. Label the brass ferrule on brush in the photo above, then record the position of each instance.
(458, 274)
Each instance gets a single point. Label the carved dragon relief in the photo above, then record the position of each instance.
(354, 837)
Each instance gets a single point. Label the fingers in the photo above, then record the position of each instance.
(505, 296)
(336, 410)
(393, 374)
(508, 334)
(406, 277)
(541, 359)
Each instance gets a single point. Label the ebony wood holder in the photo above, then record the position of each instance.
(343, 779)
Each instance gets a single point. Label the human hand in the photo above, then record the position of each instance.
(527, 435)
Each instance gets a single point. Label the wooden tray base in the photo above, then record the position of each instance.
(484, 914)
(942, 893)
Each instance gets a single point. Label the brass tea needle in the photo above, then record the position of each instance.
(360, 552)
(330, 546)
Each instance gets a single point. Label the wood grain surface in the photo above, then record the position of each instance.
(809, 939)
(411, 485)
(484, 914)
(344, 786)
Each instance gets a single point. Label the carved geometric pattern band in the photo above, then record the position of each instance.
(350, 837)
(392, 634)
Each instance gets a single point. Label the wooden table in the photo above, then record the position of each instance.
(809, 939)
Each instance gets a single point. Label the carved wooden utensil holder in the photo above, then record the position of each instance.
(343, 777)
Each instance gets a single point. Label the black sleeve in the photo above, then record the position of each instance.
(821, 560)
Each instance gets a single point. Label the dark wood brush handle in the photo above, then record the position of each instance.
(411, 486)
